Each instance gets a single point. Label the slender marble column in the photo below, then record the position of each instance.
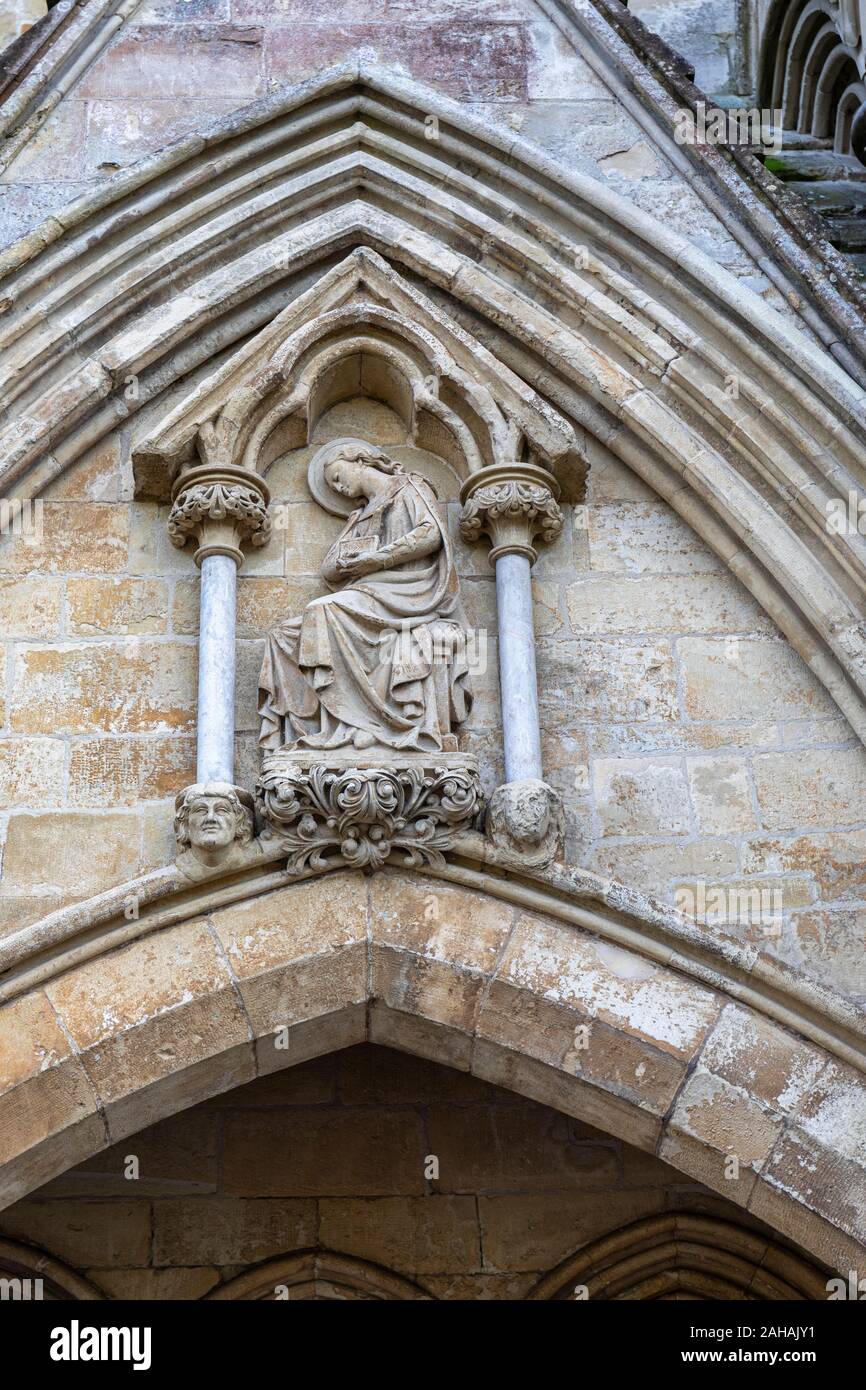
(512, 504)
(517, 677)
(222, 507)
(216, 670)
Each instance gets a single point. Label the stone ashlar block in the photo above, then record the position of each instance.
(211, 1230)
(126, 771)
(641, 796)
(603, 981)
(725, 1118)
(31, 771)
(645, 538)
(415, 1235)
(69, 538)
(564, 1091)
(778, 1068)
(119, 607)
(422, 1037)
(119, 132)
(835, 860)
(805, 787)
(470, 58)
(653, 868)
(302, 1152)
(133, 687)
(721, 795)
(153, 975)
(115, 1233)
(537, 1231)
(70, 853)
(157, 62)
(603, 681)
(432, 919)
(30, 607)
(744, 678)
(816, 1174)
(664, 604)
(523, 1148)
(437, 991)
(292, 923)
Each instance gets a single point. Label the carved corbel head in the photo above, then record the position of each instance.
(213, 825)
(525, 822)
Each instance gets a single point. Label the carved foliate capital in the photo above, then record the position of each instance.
(222, 507)
(513, 504)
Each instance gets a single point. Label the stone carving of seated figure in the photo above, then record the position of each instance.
(380, 663)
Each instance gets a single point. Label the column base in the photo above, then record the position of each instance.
(358, 809)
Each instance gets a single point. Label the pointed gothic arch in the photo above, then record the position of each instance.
(565, 1003)
(34, 1274)
(361, 328)
(683, 1255)
(319, 1275)
(622, 326)
(597, 327)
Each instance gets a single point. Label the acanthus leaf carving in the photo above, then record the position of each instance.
(221, 507)
(359, 816)
(513, 505)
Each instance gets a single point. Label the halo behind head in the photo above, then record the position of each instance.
(348, 448)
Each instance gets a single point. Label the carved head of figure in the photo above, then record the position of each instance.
(210, 819)
(346, 469)
(525, 818)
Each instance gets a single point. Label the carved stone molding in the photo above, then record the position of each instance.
(328, 811)
(512, 503)
(222, 507)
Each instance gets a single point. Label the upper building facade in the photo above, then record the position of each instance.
(432, 586)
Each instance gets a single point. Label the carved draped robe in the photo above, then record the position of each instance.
(385, 654)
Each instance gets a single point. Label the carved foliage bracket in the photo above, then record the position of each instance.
(360, 815)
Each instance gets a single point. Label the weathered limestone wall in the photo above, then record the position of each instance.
(177, 64)
(333, 1152)
(694, 750)
(17, 16)
(719, 37)
(715, 759)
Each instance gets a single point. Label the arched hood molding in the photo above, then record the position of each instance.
(359, 308)
(682, 1252)
(308, 1274)
(617, 914)
(557, 996)
(642, 342)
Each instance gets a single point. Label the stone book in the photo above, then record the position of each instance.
(357, 545)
